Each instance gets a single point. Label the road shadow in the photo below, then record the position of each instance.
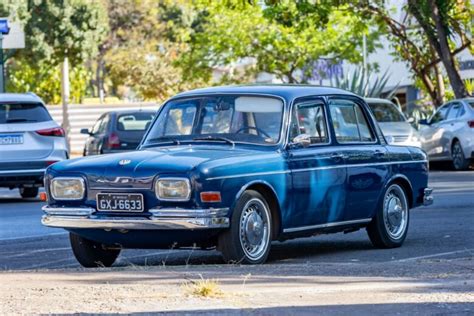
(430, 308)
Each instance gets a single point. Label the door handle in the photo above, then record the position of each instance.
(379, 153)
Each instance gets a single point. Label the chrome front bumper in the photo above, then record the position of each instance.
(427, 196)
(160, 219)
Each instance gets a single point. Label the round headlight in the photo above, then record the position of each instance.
(67, 188)
(173, 189)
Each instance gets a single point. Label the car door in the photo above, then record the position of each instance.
(317, 170)
(453, 126)
(98, 132)
(433, 135)
(364, 154)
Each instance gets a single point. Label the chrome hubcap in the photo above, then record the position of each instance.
(395, 212)
(254, 229)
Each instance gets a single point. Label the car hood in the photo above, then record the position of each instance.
(139, 168)
(396, 128)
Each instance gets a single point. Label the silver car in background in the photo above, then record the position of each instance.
(396, 128)
(448, 135)
(30, 141)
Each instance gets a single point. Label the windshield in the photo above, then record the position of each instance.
(23, 113)
(231, 119)
(385, 112)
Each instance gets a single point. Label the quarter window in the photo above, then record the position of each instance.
(309, 119)
(456, 111)
(349, 122)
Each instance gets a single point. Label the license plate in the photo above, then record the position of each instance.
(119, 202)
(11, 139)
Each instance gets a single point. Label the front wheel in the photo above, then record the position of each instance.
(389, 227)
(459, 161)
(248, 239)
(91, 254)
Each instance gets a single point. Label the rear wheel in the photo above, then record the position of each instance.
(91, 254)
(457, 154)
(389, 227)
(28, 192)
(248, 239)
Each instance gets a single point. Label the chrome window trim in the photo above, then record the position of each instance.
(327, 225)
(370, 120)
(283, 128)
(186, 199)
(68, 178)
(323, 104)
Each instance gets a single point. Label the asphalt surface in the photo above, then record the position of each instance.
(443, 230)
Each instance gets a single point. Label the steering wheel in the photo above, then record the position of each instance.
(260, 131)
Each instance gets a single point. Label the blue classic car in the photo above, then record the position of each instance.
(237, 168)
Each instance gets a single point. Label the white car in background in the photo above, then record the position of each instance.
(30, 141)
(448, 135)
(395, 126)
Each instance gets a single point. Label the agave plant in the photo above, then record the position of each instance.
(358, 83)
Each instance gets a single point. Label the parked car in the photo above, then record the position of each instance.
(238, 167)
(30, 141)
(395, 126)
(117, 131)
(449, 133)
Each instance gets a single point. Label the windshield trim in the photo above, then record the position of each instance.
(283, 126)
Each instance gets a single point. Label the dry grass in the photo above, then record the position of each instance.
(203, 288)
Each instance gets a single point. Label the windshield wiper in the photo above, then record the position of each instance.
(159, 140)
(215, 138)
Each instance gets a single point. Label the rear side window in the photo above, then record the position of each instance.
(17, 113)
(134, 121)
(456, 111)
(349, 122)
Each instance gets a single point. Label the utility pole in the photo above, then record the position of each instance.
(366, 71)
(2, 71)
(65, 100)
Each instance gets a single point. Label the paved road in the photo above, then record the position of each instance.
(443, 230)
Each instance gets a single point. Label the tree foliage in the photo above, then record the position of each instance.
(54, 30)
(283, 39)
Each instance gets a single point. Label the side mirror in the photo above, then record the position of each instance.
(304, 140)
(423, 122)
(411, 120)
(85, 131)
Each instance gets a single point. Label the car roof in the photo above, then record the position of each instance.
(286, 91)
(120, 112)
(378, 100)
(19, 97)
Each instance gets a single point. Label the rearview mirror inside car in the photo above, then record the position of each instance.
(85, 131)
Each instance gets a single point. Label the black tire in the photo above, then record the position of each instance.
(457, 154)
(91, 254)
(253, 212)
(378, 229)
(28, 193)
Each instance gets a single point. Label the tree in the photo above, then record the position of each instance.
(419, 44)
(277, 39)
(443, 21)
(54, 30)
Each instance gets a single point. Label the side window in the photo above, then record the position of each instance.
(96, 127)
(309, 118)
(456, 111)
(349, 122)
(440, 115)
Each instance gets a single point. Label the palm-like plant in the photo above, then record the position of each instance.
(358, 83)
